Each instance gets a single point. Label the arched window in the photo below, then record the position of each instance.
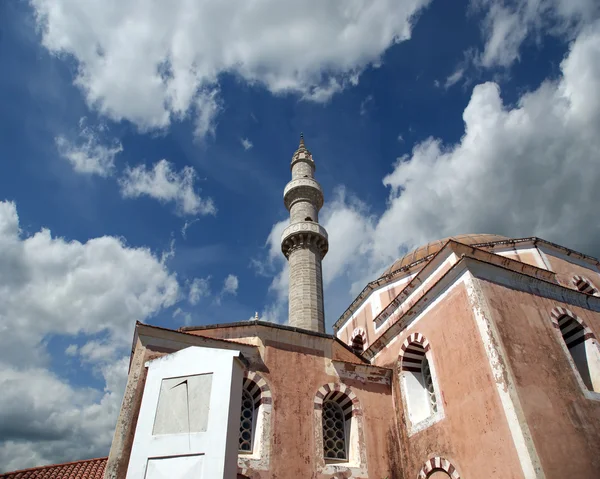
(580, 343)
(255, 423)
(438, 468)
(584, 285)
(418, 384)
(334, 431)
(358, 340)
(357, 344)
(340, 416)
(247, 419)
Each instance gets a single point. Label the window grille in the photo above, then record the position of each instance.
(334, 431)
(429, 386)
(246, 422)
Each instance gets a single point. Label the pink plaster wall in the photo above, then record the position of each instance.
(474, 433)
(565, 270)
(565, 425)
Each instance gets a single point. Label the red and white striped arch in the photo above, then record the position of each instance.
(340, 393)
(559, 315)
(584, 285)
(438, 464)
(358, 338)
(412, 352)
(257, 387)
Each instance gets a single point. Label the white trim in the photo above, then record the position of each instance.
(544, 259)
(508, 251)
(505, 385)
(591, 395)
(548, 250)
(448, 289)
(433, 418)
(367, 300)
(450, 260)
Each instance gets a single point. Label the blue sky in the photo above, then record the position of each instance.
(425, 119)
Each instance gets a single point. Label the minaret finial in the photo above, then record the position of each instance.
(301, 139)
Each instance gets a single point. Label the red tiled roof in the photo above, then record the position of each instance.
(88, 469)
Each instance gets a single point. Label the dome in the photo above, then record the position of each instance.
(434, 246)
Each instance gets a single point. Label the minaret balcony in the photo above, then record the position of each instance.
(303, 234)
(306, 189)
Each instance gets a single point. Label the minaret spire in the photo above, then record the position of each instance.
(304, 243)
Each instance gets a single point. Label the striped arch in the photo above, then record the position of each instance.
(340, 393)
(257, 387)
(412, 352)
(584, 285)
(438, 464)
(563, 318)
(358, 340)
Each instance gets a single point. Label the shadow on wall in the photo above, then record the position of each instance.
(393, 456)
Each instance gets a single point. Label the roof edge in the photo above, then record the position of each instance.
(363, 295)
(268, 324)
(47, 466)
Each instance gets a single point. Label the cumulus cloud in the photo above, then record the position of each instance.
(230, 285)
(165, 184)
(207, 107)
(508, 23)
(92, 291)
(246, 143)
(199, 288)
(313, 51)
(525, 170)
(92, 153)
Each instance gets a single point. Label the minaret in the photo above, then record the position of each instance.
(304, 243)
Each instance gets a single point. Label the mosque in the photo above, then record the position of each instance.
(471, 357)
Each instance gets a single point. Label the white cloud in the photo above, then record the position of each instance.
(52, 287)
(186, 226)
(454, 78)
(509, 23)
(364, 105)
(199, 288)
(246, 143)
(187, 317)
(527, 170)
(152, 64)
(92, 154)
(208, 106)
(230, 285)
(166, 185)
(71, 350)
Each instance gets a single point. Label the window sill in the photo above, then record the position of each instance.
(425, 423)
(591, 395)
(355, 469)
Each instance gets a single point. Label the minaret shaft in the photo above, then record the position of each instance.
(304, 243)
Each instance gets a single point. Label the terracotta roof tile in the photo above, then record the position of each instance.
(88, 469)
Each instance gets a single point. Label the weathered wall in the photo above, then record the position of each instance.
(474, 433)
(565, 270)
(296, 365)
(565, 425)
(257, 334)
(294, 376)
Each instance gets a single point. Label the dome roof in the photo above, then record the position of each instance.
(434, 246)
